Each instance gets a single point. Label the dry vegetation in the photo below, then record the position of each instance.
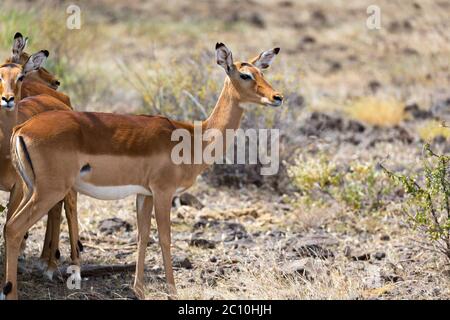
(330, 225)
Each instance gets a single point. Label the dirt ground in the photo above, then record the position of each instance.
(354, 96)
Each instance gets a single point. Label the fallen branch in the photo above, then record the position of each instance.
(91, 270)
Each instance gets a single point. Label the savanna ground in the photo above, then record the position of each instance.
(330, 225)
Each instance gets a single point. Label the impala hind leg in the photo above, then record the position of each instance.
(54, 216)
(70, 207)
(163, 204)
(144, 208)
(51, 252)
(46, 247)
(26, 215)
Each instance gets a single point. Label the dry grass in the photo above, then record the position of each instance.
(433, 129)
(374, 111)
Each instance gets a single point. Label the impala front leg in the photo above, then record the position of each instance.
(26, 215)
(15, 198)
(163, 204)
(144, 208)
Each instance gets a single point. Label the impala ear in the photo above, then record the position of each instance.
(19, 44)
(265, 59)
(224, 57)
(35, 61)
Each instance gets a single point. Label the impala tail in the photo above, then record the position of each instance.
(22, 162)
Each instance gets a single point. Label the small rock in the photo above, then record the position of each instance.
(319, 17)
(380, 255)
(392, 278)
(187, 199)
(257, 20)
(234, 231)
(374, 85)
(347, 251)
(202, 243)
(276, 234)
(110, 226)
(122, 255)
(181, 261)
(311, 246)
(362, 257)
(416, 112)
(302, 267)
(308, 39)
(213, 259)
(334, 66)
(385, 237)
(285, 4)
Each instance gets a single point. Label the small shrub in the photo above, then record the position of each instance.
(359, 186)
(428, 203)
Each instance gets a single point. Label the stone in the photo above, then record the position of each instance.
(202, 243)
(380, 255)
(181, 261)
(112, 225)
(187, 199)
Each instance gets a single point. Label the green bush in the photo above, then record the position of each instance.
(359, 186)
(428, 205)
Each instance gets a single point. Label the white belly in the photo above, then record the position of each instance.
(110, 192)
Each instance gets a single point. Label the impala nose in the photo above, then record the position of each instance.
(7, 102)
(278, 98)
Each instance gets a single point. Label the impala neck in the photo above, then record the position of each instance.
(227, 113)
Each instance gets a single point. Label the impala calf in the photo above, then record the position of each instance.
(110, 156)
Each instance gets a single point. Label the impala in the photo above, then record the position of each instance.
(38, 81)
(110, 156)
(14, 79)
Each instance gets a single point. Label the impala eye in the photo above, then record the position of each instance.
(245, 76)
(21, 78)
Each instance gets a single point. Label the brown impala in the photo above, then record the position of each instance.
(109, 156)
(22, 76)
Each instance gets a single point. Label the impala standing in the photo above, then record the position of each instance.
(110, 156)
(22, 76)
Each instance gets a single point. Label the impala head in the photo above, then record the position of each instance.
(12, 75)
(247, 77)
(19, 56)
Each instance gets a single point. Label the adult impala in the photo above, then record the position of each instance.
(110, 156)
(38, 81)
(14, 79)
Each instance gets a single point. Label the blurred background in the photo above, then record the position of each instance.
(355, 97)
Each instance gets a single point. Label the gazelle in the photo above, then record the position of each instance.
(12, 77)
(110, 156)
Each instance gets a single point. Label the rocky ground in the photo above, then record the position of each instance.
(254, 242)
